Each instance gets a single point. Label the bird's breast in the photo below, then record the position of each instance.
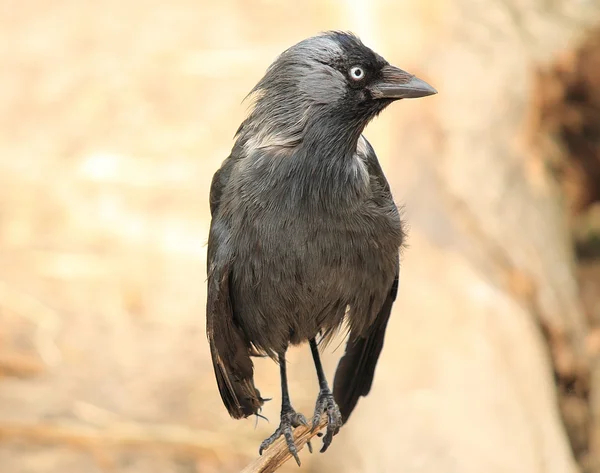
(298, 276)
(332, 256)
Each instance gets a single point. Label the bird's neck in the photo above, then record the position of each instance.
(329, 174)
(314, 162)
(331, 141)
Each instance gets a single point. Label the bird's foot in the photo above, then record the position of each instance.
(326, 404)
(289, 420)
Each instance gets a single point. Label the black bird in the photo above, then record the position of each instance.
(305, 235)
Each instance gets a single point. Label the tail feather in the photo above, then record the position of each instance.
(240, 396)
(230, 353)
(355, 371)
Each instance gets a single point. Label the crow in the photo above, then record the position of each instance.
(305, 235)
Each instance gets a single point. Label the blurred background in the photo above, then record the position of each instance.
(115, 114)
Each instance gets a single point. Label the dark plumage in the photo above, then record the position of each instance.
(305, 234)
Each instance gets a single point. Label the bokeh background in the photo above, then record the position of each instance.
(115, 114)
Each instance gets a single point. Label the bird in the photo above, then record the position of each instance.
(305, 235)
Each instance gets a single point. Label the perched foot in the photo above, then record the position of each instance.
(289, 419)
(326, 403)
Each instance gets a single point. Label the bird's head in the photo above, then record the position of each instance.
(327, 84)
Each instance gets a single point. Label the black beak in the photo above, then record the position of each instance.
(399, 84)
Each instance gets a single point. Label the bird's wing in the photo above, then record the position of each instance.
(354, 374)
(219, 181)
(229, 348)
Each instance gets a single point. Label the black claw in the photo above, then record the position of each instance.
(289, 439)
(309, 445)
(289, 420)
(326, 404)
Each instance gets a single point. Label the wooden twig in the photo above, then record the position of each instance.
(172, 438)
(278, 453)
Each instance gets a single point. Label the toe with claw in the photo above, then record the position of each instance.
(326, 404)
(290, 419)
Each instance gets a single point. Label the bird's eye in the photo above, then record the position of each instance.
(357, 73)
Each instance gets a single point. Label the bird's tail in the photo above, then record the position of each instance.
(237, 389)
(230, 353)
(355, 371)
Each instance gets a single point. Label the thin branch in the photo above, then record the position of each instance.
(170, 438)
(277, 454)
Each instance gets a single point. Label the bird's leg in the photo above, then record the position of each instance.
(325, 401)
(289, 417)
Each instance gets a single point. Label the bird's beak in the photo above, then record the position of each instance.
(399, 84)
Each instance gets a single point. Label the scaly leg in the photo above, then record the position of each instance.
(325, 401)
(289, 417)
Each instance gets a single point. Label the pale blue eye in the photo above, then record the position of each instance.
(357, 73)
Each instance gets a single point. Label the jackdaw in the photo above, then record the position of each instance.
(305, 235)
